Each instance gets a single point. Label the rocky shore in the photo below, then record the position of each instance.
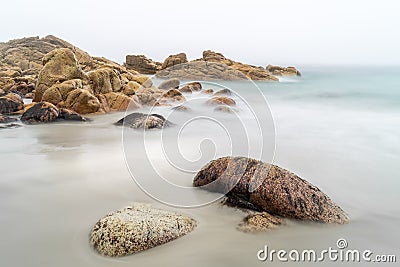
(66, 83)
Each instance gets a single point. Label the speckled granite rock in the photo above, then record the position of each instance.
(138, 120)
(269, 188)
(138, 228)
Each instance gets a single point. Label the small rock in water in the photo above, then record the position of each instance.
(269, 188)
(144, 121)
(224, 109)
(223, 92)
(169, 84)
(182, 108)
(259, 222)
(221, 100)
(138, 228)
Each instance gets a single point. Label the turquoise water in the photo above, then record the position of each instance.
(337, 127)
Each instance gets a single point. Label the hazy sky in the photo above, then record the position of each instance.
(258, 32)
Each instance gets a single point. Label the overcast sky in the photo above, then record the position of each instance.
(259, 32)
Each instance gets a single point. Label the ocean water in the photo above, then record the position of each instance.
(337, 127)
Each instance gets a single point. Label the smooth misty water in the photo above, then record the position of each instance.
(337, 127)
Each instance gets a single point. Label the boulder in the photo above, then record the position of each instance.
(191, 87)
(149, 96)
(59, 91)
(207, 91)
(11, 103)
(43, 112)
(40, 112)
(69, 115)
(221, 100)
(169, 84)
(120, 102)
(144, 121)
(82, 101)
(173, 60)
(137, 228)
(172, 95)
(130, 88)
(142, 64)
(59, 65)
(103, 81)
(223, 92)
(282, 71)
(143, 80)
(269, 188)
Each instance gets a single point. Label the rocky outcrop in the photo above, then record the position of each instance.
(10, 103)
(221, 100)
(281, 71)
(43, 112)
(269, 188)
(59, 65)
(21, 57)
(137, 228)
(142, 64)
(173, 60)
(169, 84)
(144, 121)
(214, 66)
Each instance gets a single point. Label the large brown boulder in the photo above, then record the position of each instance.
(136, 228)
(269, 188)
(11, 103)
(173, 60)
(59, 65)
(82, 101)
(58, 92)
(142, 64)
(43, 112)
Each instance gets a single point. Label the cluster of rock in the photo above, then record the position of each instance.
(269, 193)
(270, 189)
(212, 66)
